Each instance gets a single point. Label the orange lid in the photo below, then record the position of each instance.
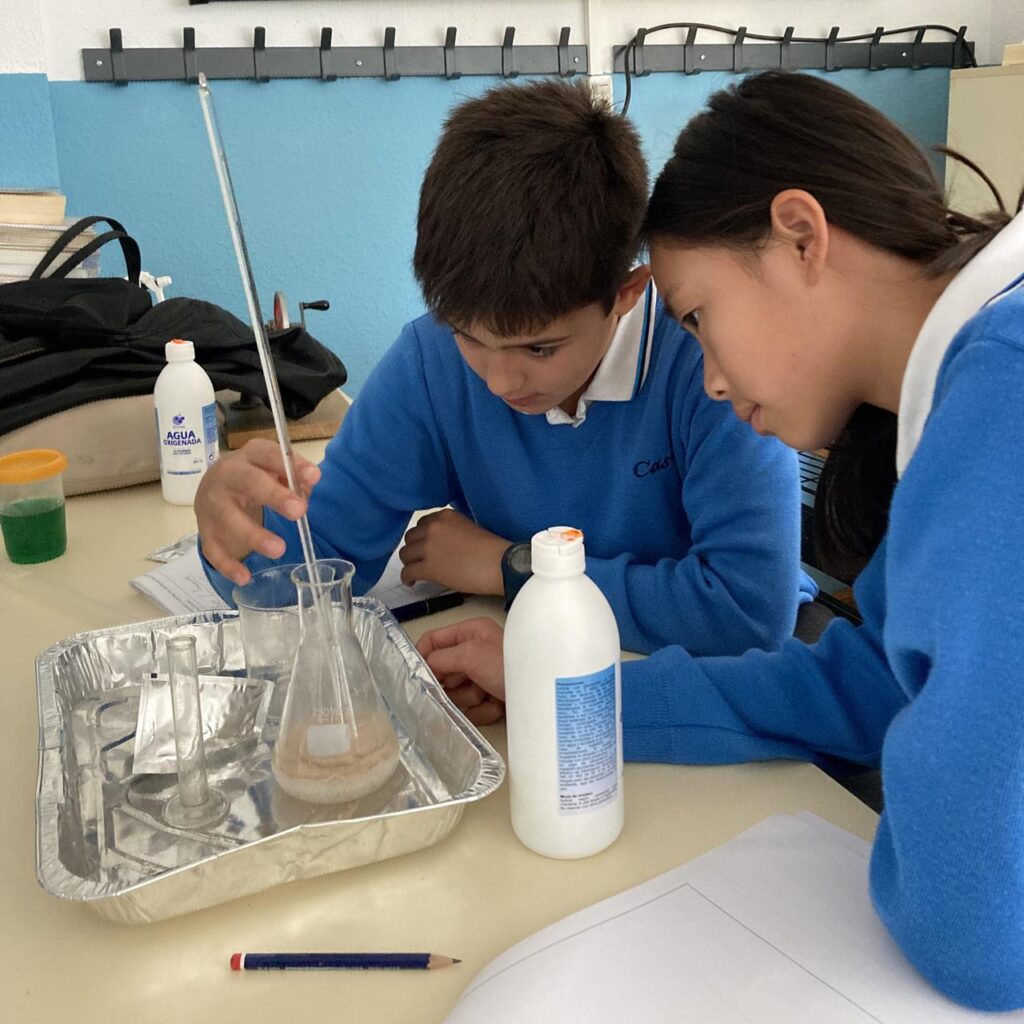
(33, 464)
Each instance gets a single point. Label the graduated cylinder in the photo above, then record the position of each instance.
(563, 705)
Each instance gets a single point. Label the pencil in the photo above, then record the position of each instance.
(340, 961)
(427, 606)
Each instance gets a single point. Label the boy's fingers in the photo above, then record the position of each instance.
(411, 574)
(258, 472)
(409, 553)
(481, 628)
(455, 679)
(415, 535)
(308, 473)
(478, 661)
(263, 454)
(467, 696)
(430, 641)
(254, 485)
(490, 711)
(449, 661)
(225, 564)
(237, 534)
(269, 544)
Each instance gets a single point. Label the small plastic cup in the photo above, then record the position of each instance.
(32, 505)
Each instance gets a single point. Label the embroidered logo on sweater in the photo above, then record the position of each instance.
(648, 467)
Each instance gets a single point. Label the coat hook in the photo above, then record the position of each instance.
(830, 49)
(508, 68)
(915, 52)
(784, 54)
(451, 71)
(259, 54)
(188, 52)
(565, 68)
(961, 51)
(737, 48)
(689, 64)
(874, 64)
(117, 63)
(326, 74)
(640, 69)
(391, 73)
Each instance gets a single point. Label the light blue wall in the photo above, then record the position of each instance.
(326, 174)
(327, 177)
(918, 101)
(28, 155)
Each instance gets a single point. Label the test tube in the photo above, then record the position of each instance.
(194, 803)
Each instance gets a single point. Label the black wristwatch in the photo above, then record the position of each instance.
(516, 569)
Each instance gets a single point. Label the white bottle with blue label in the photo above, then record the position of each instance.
(563, 704)
(186, 423)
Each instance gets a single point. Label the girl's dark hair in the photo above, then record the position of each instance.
(779, 130)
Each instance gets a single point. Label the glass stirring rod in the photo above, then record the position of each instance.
(227, 193)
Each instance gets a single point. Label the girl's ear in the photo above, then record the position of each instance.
(799, 222)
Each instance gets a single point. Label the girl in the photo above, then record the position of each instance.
(805, 241)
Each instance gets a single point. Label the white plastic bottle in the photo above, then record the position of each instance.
(186, 423)
(563, 705)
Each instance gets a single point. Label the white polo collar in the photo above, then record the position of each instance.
(623, 370)
(996, 271)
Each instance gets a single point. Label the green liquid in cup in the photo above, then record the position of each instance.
(34, 530)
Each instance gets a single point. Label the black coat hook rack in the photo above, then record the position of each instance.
(754, 52)
(260, 62)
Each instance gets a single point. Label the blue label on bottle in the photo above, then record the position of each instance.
(588, 760)
(210, 433)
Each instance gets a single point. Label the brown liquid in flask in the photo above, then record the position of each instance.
(336, 742)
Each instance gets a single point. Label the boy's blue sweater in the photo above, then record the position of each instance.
(691, 520)
(931, 684)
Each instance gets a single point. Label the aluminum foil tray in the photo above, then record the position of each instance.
(99, 835)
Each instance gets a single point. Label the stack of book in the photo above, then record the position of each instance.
(31, 220)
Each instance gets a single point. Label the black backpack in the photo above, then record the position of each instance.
(65, 342)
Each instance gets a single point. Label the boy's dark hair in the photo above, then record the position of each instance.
(779, 130)
(531, 208)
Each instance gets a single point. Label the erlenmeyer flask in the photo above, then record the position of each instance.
(336, 742)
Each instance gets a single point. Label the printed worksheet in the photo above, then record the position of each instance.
(774, 927)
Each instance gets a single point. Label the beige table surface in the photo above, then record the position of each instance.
(470, 896)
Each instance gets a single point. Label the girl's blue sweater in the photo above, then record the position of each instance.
(931, 685)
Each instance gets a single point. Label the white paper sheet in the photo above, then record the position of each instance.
(180, 585)
(774, 927)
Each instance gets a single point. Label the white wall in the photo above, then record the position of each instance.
(48, 35)
(22, 50)
(1007, 25)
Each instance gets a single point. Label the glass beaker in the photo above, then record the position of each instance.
(336, 742)
(269, 618)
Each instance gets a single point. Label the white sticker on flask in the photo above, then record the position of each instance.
(587, 740)
(330, 740)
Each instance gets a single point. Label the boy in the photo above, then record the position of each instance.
(548, 385)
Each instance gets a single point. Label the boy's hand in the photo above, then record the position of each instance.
(447, 548)
(467, 660)
(230, 500)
